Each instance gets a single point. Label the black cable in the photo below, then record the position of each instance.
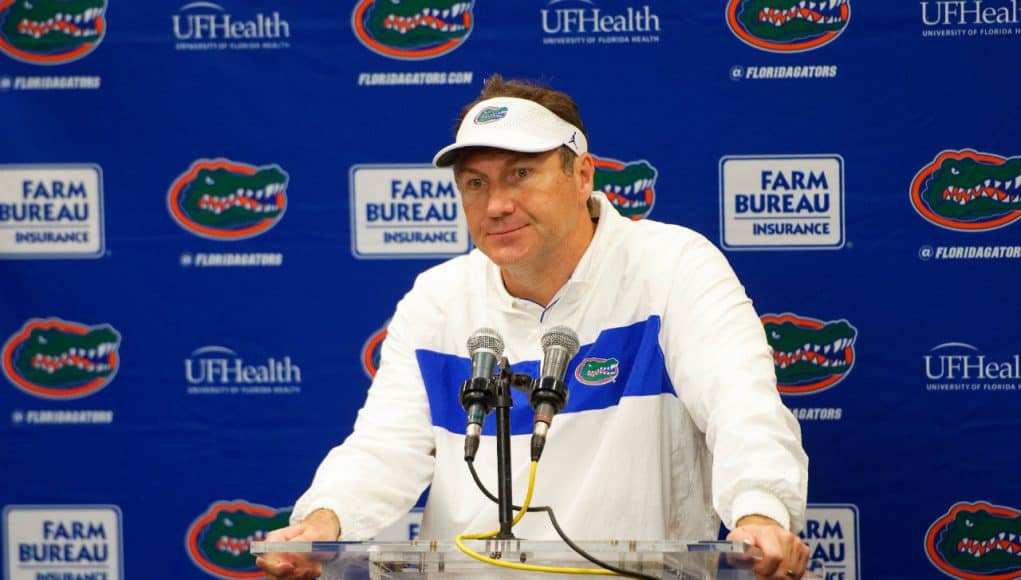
(560, 532)
(493, 498)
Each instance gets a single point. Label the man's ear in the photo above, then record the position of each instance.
(585, 172)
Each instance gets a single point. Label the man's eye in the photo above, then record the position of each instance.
(521, 172)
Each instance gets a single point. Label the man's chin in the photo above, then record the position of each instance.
(505, 257)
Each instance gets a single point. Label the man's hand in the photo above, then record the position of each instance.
(319, 526)
(784, 555)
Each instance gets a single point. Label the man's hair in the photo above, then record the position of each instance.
(560, 103)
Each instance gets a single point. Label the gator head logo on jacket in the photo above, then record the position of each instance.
(809, 355)
(787, 25)
(969, 191)
(218, 541)
(595, 371)
(57, 359)
(221, 199)
(976, 541)
(412, 29)
(51, 31)
(630, 187)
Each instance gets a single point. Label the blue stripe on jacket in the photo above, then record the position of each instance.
(642, 372)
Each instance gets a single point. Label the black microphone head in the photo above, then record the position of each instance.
(563, 337)
(485, 339)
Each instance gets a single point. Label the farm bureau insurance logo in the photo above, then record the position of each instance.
(226, 200)
(412, 30)
(50, 32)
(787, 25)
(959, 366)
(208, 26)
(954, 18)
(218, 540)
(968, 191)
(976, 540)
(218, 370)
(809, 355)
(582, 22)
(782, 202)
(57, 359)
(63, 542)
(51, 211)
(406, 211)
(831, 533)
(630, 186)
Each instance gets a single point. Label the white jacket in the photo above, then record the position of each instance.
(690, 422)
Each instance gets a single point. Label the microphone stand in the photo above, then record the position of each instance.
(503, 450)
(496, 394)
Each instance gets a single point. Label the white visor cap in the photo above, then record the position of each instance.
(512, 124)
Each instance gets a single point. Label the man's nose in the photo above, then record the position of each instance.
(501, 201)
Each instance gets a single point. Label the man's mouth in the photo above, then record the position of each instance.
(507, 231)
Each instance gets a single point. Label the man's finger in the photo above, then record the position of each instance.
(285, 534)
(741, 559)
(276, 566)
(803, 559)
(772, 555)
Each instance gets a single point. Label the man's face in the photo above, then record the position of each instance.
(523, 210)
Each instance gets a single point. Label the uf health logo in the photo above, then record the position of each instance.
(56, 359)
(977, 540)
(968, 191)
(49, 32)
(228, 200)
(787, 25)
(218, 541)
(412, 29)
(630, 186)
(809, 355)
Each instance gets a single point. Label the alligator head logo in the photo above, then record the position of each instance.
(490, 114)
(594, 371)
(969, 191)
(221, 199)
(218, 541)
(976, 540)
(51, 32)
(630, 187)
(809, 355)
(371, 351)
(57, 359)
(412, 29)
(787, 25)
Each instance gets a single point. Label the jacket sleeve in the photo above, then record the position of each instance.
(718, 358)
(376, 475)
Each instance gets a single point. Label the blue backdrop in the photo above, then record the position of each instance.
(208, 211)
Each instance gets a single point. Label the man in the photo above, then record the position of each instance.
(685, 428)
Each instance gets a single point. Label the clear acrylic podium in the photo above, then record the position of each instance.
(434, 560)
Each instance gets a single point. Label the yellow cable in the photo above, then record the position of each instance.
(531, 567)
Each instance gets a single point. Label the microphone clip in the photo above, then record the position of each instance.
(479, 396)
(551, 391)
(548, 397)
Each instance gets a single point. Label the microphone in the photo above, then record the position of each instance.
(549, 393)
(485, 347)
